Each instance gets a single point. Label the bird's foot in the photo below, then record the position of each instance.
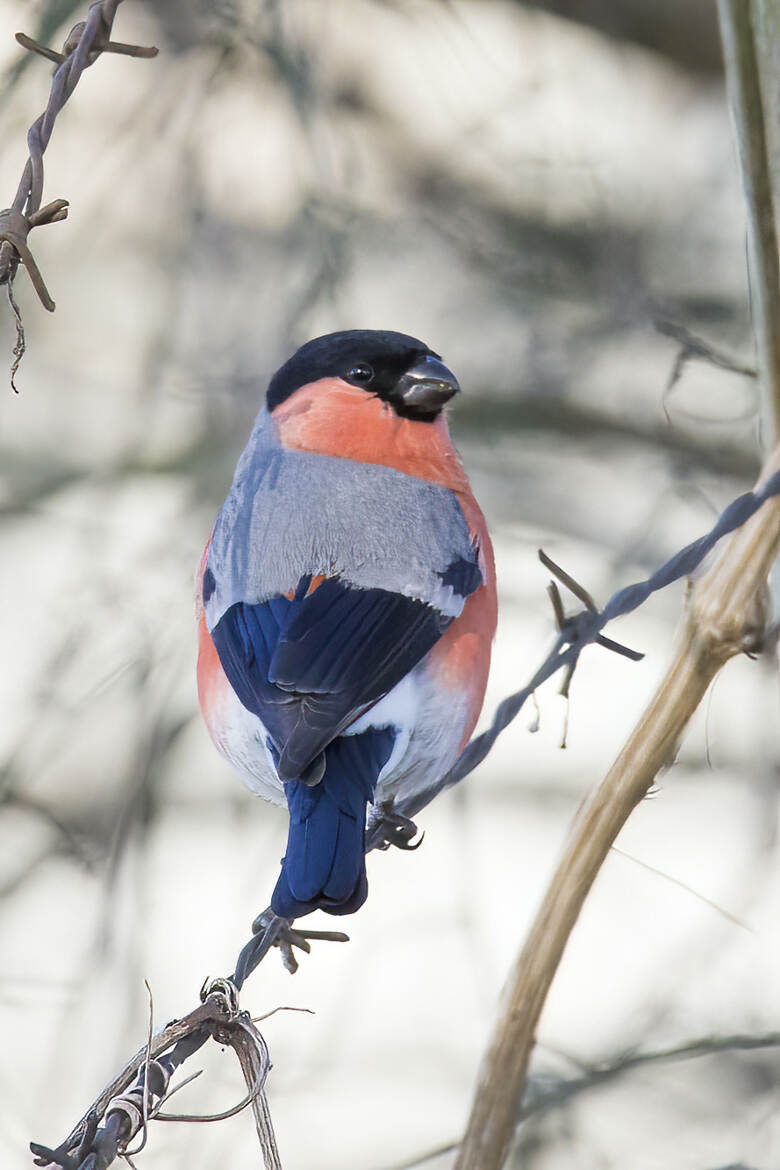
(269, 930)
(388, 828)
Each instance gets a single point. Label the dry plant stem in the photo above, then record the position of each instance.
(254, 1074)
(725, 617)
(738, 25)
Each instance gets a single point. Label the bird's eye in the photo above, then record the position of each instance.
(361, 373)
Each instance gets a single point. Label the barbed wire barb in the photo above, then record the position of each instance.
(578, 631)
(85, 42)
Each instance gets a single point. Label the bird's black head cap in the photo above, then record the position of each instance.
(398, 368)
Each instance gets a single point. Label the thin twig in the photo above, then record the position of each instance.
(669, 877)
(251, 1050)
(146, 1095)
(547, 1093)
(695, 348)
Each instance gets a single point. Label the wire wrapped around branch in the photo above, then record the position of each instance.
(133, 1099)
(579, 631)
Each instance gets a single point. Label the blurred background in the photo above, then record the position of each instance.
(532, 188)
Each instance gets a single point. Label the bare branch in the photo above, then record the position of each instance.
(695, 348)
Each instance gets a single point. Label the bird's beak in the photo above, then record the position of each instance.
(425, 387)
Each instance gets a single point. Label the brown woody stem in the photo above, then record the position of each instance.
(724, 618)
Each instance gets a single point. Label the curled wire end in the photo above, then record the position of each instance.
(14, 249)
(21, 342)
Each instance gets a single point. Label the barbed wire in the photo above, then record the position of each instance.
(85, 42)
(128, 1103)
(575, 633)
(390, 823)
(135, 1096)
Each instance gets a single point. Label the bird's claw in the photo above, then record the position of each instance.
(269, 930)
(391, 828)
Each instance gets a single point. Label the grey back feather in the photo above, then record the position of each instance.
(290, 513)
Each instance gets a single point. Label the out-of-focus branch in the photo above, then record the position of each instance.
(725, 617)
(549, 1092)
(553, 1093)
(750, 31)
(686, 32)
(752, 112)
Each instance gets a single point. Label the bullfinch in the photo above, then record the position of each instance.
(347, 603)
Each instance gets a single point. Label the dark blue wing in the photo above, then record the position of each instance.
(310, 666)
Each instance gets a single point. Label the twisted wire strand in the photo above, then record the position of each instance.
(582, 630)
(85, 42)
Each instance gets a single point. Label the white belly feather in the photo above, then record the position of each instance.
(428, 727)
